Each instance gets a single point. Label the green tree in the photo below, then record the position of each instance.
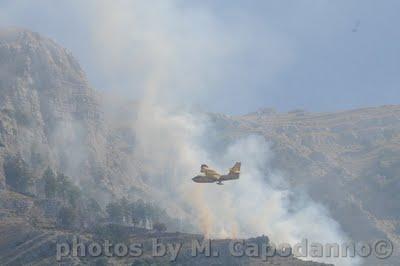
(67, 217)
(102, 261)
(124, 203)
(67, 191)
(115, 212)
(140, 210)
(134, 220)
(17, 174)
(160, 227)
(50, 183)
(94, 206)
(62, 184)
(73, 195)
(114, 232)
(92, 212)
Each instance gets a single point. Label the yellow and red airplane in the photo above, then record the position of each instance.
(210, 176)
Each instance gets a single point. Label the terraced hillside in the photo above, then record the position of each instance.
(348, 160)
(29, 239)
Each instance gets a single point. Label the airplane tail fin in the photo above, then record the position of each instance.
(235, 169)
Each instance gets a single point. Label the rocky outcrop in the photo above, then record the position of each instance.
(44, 94)
(50, 116)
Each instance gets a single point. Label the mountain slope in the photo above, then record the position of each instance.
(50, 115)
(347, 160)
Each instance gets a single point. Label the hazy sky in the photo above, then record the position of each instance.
(230, 56)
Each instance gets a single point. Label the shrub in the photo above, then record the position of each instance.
(160, 227)
(67, 217)
(50, 183)
(17, 174)
(115, 212)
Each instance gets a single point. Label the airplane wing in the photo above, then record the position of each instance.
(213, 173)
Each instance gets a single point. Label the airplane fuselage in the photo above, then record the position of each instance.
(204, 179)
(212, 179)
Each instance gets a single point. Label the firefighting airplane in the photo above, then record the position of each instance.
(210, 176)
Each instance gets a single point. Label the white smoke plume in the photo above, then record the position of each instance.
(169, 138)
(258, 203)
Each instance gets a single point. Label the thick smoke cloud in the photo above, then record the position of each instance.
(260, 202)
(169, 142)
(178, 55)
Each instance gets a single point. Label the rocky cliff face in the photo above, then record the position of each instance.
(43, 94)
(50, 115)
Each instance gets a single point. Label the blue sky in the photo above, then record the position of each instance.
(230, 56)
